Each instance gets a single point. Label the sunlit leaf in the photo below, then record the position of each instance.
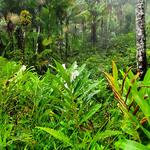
(130, 145)
(57, 134)
(115, 71)
(91, 112)
(47, 41)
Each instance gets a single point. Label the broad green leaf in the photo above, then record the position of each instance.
(57, 134)
(96, 146)
(144, 105)
(130, 145)
(91, 112)
(106, 134)
(147, 77)
(47, 41)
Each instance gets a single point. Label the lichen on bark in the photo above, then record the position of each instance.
(141, 38)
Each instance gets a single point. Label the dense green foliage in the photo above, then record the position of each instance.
(56, 87)
(74, 109)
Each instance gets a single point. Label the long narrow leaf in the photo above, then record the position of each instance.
(92, 111)
(57, 134)
(130, 145)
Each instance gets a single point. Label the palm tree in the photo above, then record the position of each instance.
(141, 38)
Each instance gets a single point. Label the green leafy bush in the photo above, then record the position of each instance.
(65, 102)
(133, 100)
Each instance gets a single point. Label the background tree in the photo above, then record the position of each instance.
(141, 38)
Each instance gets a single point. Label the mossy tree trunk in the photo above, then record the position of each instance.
(141, 38)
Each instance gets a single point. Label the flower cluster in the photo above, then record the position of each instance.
(13, 17)
(25, 17)
(74, 73)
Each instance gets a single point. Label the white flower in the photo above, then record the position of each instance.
(23, 68)
(75, 66)
(74, 75)
(66, 85)
(64, 66)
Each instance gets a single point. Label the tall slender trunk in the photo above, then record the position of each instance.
(67, 39)
(93, 31)
(20, 36)
(83, 30)
(75, 31)
(141, 38)
(10, 30)
(61, 38)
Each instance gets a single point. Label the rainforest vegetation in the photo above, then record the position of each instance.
(74, 75)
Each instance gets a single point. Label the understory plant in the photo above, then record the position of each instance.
(76, 109)
(65, 102)
(133, 100)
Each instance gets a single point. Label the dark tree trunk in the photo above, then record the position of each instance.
(75, 31)
(141, 38)
(67, 39)
(93, 31)
(10, 29)
(21, 41)
(1, 48)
